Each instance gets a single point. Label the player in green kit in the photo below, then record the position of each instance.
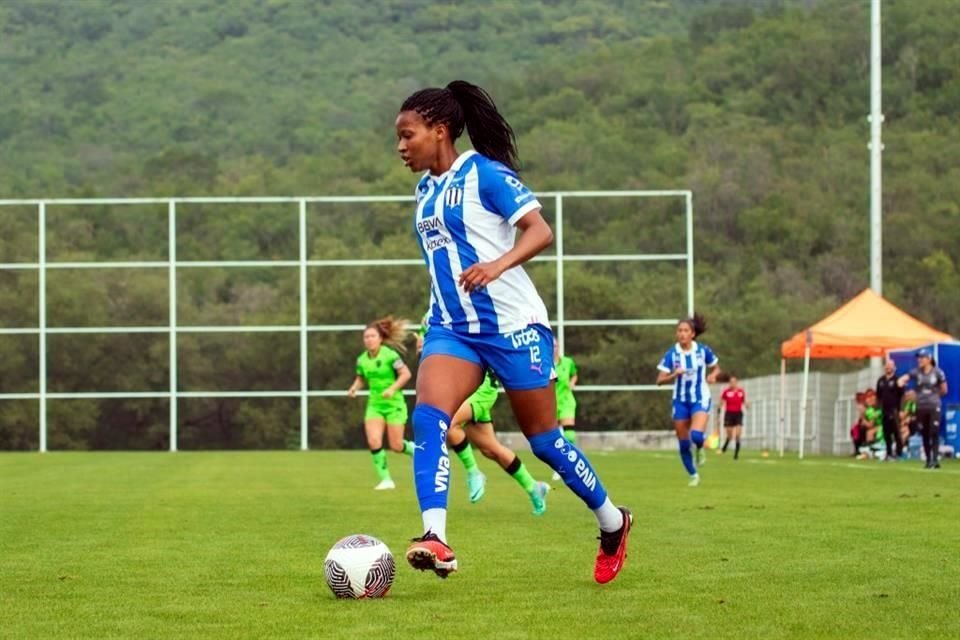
(566, 382)
(385, 373)
(473, 420)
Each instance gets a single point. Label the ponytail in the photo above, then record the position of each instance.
(489, 132)
(697, 323)
(393, 331)
(461, 105)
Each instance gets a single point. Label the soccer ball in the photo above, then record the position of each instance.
(359, 566)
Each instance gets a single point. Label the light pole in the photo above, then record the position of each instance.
(876, 149)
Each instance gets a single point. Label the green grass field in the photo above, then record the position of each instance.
(231, 545)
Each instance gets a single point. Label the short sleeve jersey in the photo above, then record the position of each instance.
(466, 216)
(733, 399)
(379, 371)
(566, 368)
(928, 386)
(691, 385)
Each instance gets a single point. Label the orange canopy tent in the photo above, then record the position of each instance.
(866, 326)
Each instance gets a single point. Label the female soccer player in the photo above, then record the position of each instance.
(733, 401)
(485, 311)
(931, 386)
(686, 365)
(384, 371)
(474, 420)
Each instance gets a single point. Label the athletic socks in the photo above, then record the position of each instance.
(431, 466)
(725, 443)
(465, 452)
(736, 451)
(686, 455)
(697, 438)
(518, 471)
(570, 434)
(380, 463)
(407, 447)
(574, 468)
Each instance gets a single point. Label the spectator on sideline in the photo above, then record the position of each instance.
(890, 396)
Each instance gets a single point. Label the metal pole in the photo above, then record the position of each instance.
(42, 319)
(304, 345)
(803, 397)
(689, 199)
(876, 150)
(558, 241)
(781, 412)
(172, 289)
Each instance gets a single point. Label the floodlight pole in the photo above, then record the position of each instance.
(876, 149)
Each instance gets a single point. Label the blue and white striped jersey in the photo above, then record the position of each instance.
(466, 216)
(692, 385)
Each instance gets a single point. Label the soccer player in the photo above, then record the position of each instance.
(474, 420)
(385, 373)
(931, 386)
(733, 401)
(565, 383)
(485, 311)
(686, 365)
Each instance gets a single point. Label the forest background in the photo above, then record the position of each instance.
(758, 107)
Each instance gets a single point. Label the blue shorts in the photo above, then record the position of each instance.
(522, 360)
(684, 410)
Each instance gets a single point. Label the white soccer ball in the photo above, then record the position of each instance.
(359, 566)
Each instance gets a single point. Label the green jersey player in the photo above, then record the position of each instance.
(384, 372)
(474, 420)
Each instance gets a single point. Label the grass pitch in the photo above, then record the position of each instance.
(231, 545)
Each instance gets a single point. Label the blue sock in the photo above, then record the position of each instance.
(576, 471)
(687, 457)
(431, 463)
(697, 437)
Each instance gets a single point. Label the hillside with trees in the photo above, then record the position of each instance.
(758, 107)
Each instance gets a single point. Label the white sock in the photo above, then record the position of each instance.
(435, 520)
(608, 516)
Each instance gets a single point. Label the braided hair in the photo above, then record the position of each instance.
(461, 105)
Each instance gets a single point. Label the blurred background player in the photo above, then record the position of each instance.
(474, 420)
(566, 382)
(485, 312)
(385, 374)
(930, 383)
(686, 364)
(890, 397)
(873, 443)
(733, 400)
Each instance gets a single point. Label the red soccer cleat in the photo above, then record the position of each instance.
(429, 553)
(613, 550)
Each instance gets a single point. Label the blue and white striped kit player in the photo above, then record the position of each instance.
(691, 392)
(485, 312)
(467, 216)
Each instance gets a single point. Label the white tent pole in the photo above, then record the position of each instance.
(803, 396)
(781, 413)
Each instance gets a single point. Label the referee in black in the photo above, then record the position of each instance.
(889, 396)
